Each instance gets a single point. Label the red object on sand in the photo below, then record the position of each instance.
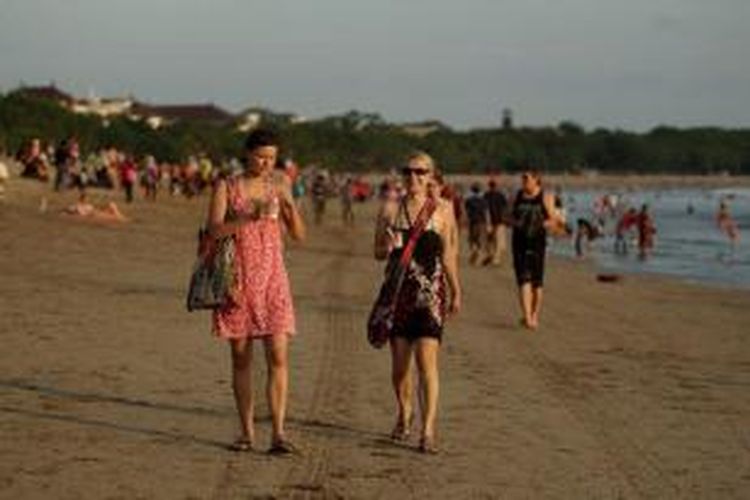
(608, 278)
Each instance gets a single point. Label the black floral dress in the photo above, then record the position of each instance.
(421, 304)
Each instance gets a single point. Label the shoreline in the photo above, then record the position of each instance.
(618, 182)
(652, 276)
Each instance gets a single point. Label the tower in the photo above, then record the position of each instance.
(507, 119)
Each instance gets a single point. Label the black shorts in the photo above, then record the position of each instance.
(528, 264)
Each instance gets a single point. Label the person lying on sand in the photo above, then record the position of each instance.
(82, 208)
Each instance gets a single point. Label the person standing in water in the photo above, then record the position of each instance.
(626, 222)
(533, 215)
(261, 208)
(430, 292)
(726, 223)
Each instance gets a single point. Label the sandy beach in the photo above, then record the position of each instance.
(110, 389)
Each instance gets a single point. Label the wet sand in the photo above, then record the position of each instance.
(110, 389)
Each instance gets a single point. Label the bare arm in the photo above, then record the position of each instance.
(289, 212)
(449, 235)
(217, 211)
(554, 223)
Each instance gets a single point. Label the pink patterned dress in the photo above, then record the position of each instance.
(263, 301)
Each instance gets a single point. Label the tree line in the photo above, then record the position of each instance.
(358, 141)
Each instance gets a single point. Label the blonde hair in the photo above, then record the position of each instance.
(422, 157)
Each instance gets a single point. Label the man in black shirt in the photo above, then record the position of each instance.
(497, 206)
(476, 213)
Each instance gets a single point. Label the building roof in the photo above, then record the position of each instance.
(50, 92)
(193, 112)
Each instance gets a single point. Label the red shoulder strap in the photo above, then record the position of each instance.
(420, 223)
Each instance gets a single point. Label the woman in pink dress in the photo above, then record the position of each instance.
(257, 208)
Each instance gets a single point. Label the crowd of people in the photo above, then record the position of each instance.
(110, 168)
(633, 226)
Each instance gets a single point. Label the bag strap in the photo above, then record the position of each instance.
(417, 229)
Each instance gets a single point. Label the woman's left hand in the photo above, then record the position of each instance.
(456, 303)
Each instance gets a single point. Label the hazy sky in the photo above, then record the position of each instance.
(632, 64)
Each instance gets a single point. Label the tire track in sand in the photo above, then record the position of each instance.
(306, 478)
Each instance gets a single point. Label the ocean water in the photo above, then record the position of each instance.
(688, 246)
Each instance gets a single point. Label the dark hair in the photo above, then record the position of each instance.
(259, 138)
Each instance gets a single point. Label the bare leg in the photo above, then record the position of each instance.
(499, 244)
(427, 362)
(242, 355)
(536, 305)
(526, 300)
(401, 377)
(278, 379)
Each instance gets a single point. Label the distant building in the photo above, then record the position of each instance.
(158, 116)
(249, 119)
(422, 129)
(104, 108)
(48, 92)
(252, 118)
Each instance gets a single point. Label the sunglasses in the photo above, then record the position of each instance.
(408, 171)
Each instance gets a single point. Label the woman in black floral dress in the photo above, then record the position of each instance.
(430, 292)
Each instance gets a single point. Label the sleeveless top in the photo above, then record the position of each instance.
(529, 215)
(263, 299)
(421, 305)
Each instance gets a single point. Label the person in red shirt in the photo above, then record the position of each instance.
(626, 222)
(128, 177)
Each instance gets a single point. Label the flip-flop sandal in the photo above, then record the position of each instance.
(402, 431)
(282, 447)
(427, 446)
(241, 445)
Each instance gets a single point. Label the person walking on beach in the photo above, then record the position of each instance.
(497, 204)
(346, 196)
(476, 214)
(128, 177)
(262, 307)
(533, 215)
(424, 301)
(646, 232)
(63, 161)
(319, 195)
